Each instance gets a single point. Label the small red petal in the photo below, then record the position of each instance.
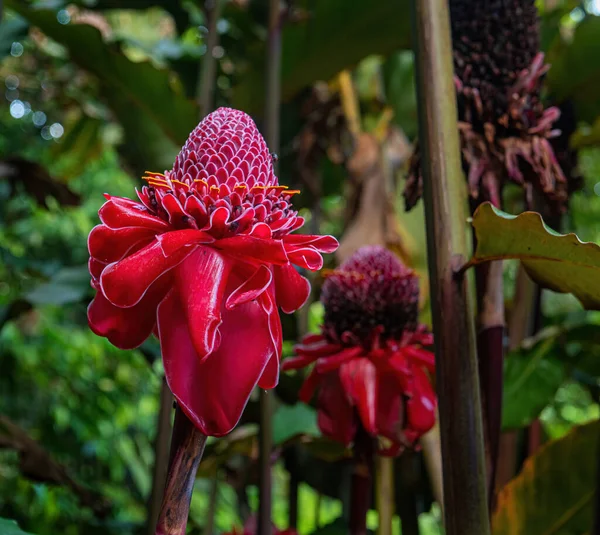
(127, 328)
(305, 257)
(359, 379)
(291, 288)
(110, 245)
(251, 288)
(254, 249)
(119, 212)
(333, 362)
(324, 244)
(173, 242)
(124, 283)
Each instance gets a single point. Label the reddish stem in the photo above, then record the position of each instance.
(187, 446)
(362, 481)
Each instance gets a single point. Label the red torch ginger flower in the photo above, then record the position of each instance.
(203, 259)
(369, 359)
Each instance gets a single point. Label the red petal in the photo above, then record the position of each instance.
(333, 362)
(359, 379)
(307, 390)
(214, 391)
(255, 249)
(389, 408)
(110, 245)
(336, 416)
(95, 268)
(270, 377)
(420, 356)
(171, 242)
(201, 281)
(126, 328)
(317, 349)
(119, 212)
(295, 363)
(306, 257)
(124, 283)
(291, 288)
(251, 288)
(325, 244)
(420, 407)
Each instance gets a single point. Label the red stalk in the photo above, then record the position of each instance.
(187, 446)
(446, 209)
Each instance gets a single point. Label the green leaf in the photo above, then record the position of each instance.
(560, 262)
(148, 102)
(293, 420)
(532, 375)
(554, 492)
(10, 527)
(68, 285)
(336, 35)
(575, 72)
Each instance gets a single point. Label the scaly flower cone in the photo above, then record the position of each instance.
(504, 128)
(203, 259)
(371, 369)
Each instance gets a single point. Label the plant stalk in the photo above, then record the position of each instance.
(446, 210)
(490, 349)
(273, 98)
(362, 481)
(206, 86)
(187, 446)
(384, 494)
(161, 456)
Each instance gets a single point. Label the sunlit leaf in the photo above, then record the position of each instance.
(68, 285)
(560, 262)
(554, 492)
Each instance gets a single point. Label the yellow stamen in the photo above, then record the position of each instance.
(174, 181)
(153, 173)
(200, 181)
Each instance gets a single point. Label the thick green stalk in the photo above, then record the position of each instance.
(187, 446)
(273, 98)
(384, 494)
(446, 210)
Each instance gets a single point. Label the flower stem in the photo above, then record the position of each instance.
(362, 479)
(161, 456)
(385, 494)
(265, 446)
(187, 446)
(446, 209)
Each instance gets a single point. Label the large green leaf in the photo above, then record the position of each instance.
(290, 421)
(560, 262)
(575, 72)
(554, 492)
(535, 371)
(148, 102)
(10, 527)
(532, 375)
(335, 35)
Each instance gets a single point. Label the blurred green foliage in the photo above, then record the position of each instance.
(97, 91)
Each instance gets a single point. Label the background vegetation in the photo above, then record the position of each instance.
(94, 92)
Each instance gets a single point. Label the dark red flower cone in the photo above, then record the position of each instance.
(505, 130)
(371, 369)
(203, 259)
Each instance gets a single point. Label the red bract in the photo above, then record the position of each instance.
(369, 360)
(203, 259)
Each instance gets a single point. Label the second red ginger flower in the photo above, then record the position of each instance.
(203, 259)
(371, 368)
